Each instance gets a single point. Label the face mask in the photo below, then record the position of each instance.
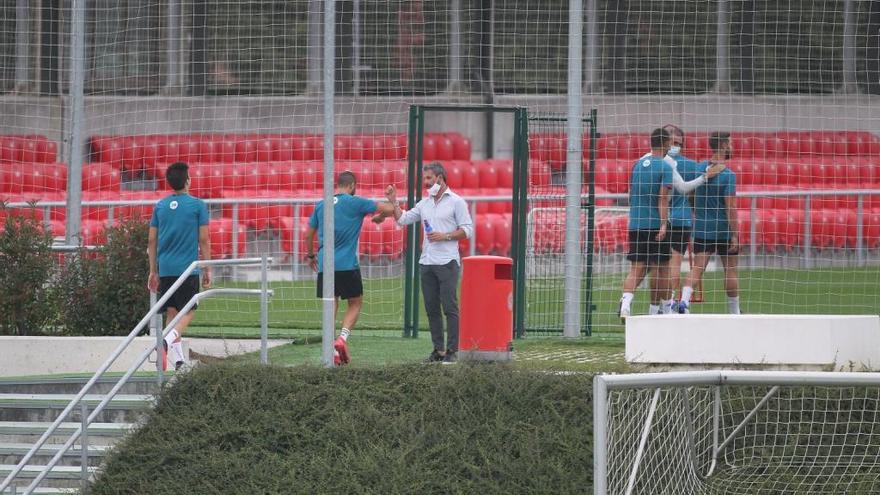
(674, 151)
(433, 190)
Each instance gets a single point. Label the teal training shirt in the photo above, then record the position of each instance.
(649, 175)
(680, 208)
(177, 219)
(348, 216)
(710, 207)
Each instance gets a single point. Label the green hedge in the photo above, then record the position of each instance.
(415, 429)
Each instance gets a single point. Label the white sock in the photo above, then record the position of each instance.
(171, 337)
(666, 306)
(177, 349)
(344, 334)
(733, 305)
(654, 309)
(686, 292)
(626, 300)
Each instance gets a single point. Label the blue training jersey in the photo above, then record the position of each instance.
(177, 219)
(710, 206)
(679, 208)
(649, 175)
(348, 217)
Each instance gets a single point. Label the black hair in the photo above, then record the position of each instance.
(659, 136)
(176, 175)
(717, 138)
(346, 179)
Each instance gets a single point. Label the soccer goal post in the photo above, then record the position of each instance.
(737, 432)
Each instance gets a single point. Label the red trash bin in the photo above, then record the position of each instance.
(486, 322)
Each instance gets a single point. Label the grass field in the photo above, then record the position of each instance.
(294, 310)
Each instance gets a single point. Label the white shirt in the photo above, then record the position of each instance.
(448, 214)
(677, 180)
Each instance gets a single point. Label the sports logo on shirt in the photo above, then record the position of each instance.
(335, 200)
(173, 205)
(646, 163)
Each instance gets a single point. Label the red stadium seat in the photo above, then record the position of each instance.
(290, 227)
(487, 173)
(100, 177)
(444, 148)
(429, 147)
(222, 239)
(539, 174)
(265, 150)
(392, 239)
(484, 230)
(502, 226)
(872, 228)
(246, 150)
(395, 147)
(461, 147)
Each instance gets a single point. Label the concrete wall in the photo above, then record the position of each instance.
(631, 113)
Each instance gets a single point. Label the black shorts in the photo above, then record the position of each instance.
(678, 238)
(712, 246)
(182, 295)
(645, 248)
(347, 284)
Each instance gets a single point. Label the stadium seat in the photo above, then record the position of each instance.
(484, 230)
(290, 227)
(392, 239)
(502, 227)
(461, 147)
(100, 177)
(221, 230)
(370, 243)
(872, 228)
(257, 216)
(246, 150)
(395, 147)
(539, 174)
(768, 229)
(487, 174)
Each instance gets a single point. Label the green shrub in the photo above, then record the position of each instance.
(104, 292)
(25, 272)
(488, 429)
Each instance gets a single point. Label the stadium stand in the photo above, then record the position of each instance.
(249, 166)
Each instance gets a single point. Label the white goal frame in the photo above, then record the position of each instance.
(603, 384)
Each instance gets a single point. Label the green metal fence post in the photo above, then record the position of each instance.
(591, 224)
(407, 267)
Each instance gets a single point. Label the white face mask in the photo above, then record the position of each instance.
(674, 151)
(433, 190)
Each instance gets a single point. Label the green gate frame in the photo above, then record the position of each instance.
(416, 135)
(520, 220)
(417, 114)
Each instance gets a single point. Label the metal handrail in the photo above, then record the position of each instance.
(115, 355)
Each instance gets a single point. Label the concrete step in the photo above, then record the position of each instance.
(49, 491)
(20, 449)
(36, 429)
(58, 477)
(46, 407)
(72, 384)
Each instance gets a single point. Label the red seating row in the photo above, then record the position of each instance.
(28, 149)
(853, 172)
(775, 229)
(16, 179)
(790, 146)
(152, 152)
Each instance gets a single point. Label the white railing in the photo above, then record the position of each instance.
(264, 293)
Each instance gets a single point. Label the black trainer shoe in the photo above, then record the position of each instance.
(178, 365)
(450, 357)
(435, 357)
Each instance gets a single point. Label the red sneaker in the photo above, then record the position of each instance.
(341, 347)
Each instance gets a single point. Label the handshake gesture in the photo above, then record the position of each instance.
(391, 197)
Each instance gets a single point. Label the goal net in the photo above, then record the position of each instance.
(732, 433)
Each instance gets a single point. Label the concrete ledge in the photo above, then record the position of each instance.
(24, 356)
(754, 341)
